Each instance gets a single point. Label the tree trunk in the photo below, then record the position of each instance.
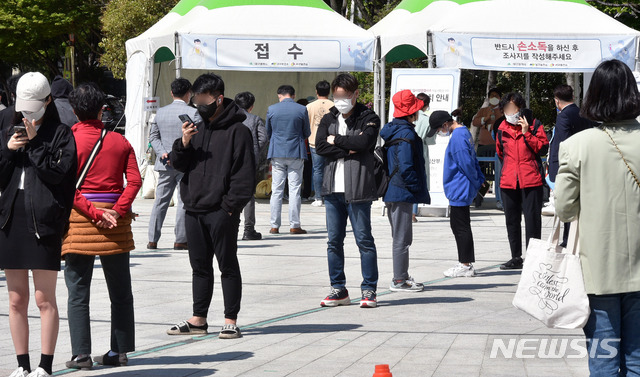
(491, 83)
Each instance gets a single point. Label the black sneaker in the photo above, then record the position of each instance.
(251, 235)
(120, 359)
(512, 264)
(337, 297)
(368, 299)
(83, 362)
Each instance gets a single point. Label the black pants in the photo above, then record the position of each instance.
(516, 202)
(307, 178)
(565, 234)
(209, 234)
(78, 272)
(460, 220)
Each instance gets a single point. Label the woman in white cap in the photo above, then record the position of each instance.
(37, 182)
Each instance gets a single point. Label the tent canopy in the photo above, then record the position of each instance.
(403, 33)
(268, 36)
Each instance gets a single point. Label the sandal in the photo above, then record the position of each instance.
(230, 331)
(186, 328)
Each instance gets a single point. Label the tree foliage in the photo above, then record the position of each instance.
(126, 19)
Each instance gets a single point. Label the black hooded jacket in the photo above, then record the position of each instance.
(49, 164)
(218, 165)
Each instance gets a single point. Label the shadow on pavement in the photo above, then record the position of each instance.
(302, 328)
(164, 372)
(423, 300)
(190, 360)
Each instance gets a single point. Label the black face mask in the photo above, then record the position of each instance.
(207, 111)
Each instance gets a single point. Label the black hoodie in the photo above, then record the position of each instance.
(219, 164)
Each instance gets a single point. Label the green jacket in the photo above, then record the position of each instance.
(594, 181)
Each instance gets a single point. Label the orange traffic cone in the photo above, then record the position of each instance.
(382, 370)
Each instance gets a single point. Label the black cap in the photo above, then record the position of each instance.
(436, 120)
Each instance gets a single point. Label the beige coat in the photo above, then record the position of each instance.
(594, 181)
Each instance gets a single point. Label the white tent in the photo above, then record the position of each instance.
(270, 42)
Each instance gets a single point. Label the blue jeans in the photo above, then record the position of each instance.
(281, 169)
(614, 320)
(360, 216)
(318, 172)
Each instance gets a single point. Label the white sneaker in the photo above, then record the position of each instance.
(549, 209)
(39, 372)
(460, 270)
(19, 373)
(317, 203)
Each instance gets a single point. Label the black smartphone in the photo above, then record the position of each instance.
(20, 129)
(185, 118)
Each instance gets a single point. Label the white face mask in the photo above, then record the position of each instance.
(513, 119)
(343, 105)
(36, 115)
(494, 101)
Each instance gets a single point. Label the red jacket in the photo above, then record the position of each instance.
(115, 160)
(518, 154)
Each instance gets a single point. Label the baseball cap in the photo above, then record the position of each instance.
(31, 92)
(405, 103)
(436, 120)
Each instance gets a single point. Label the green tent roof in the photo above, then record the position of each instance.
(184, 6)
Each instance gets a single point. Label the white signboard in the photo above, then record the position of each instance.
(532, 54)
(269, 54)
(443, 87)
(151, 103)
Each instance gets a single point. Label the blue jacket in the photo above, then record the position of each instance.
(462, 176)
(287, 129)
(409, 183)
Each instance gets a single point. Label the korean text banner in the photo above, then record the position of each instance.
(269, 54)
(535, 54)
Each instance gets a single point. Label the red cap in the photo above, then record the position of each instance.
(405, 103)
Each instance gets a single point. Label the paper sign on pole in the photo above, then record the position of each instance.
(151, 103)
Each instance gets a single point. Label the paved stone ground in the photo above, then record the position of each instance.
(447, 330)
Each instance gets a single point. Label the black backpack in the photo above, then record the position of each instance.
(381, 165)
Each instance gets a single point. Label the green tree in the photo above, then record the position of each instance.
(126, 19)
(35, 33)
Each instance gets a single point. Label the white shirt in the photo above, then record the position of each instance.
(21, 187)
(338, 179)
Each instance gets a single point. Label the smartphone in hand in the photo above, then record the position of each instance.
(20, 129)
(185, 118)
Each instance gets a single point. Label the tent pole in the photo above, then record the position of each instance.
(527, 95)
(383, 90)
(430, 58)
(376, 78)
(177, 54)
(637, 54)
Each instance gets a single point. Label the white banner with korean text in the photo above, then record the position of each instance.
(531, 54)
(269, 54)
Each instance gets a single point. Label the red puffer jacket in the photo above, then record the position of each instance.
(518, 153)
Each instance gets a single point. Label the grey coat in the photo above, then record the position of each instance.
(166, 128)
(258, 132)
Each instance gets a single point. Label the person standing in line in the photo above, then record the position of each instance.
(287, 128)
(37, 177)
(521, 178)
(346, 138)
(165, 129)
(408, 184)
(461, 180)
(100, 225)
(218, 162)
(423, 130)
(245, 101)
(599, 180)
(317, 110)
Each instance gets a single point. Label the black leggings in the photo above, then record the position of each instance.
(515, 203)
(209, 234)
(460, 220)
